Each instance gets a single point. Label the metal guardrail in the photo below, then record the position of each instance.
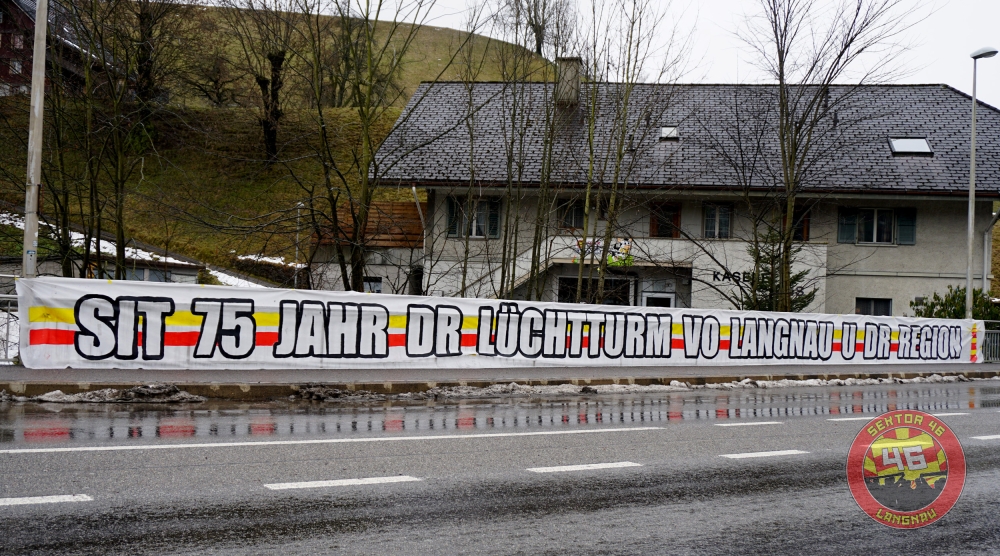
(9, 329)
(990, 347)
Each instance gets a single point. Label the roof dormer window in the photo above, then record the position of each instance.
(669, 133)
(912, 146)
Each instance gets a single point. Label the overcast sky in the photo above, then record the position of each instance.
(943, 41)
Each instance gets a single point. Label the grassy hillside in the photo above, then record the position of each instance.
(201, 189)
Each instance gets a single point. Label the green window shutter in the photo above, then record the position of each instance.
(847, 226)
(453, 216)
(494, 218)
(906, 226)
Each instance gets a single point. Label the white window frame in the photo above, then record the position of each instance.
(875, 214)
(16, 67)
(479, 220)
(716, 230)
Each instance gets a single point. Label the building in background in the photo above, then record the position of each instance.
(880, 222)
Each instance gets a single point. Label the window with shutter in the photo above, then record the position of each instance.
(493, 218)
(800, 225)
(454, 217)
(665, 220)
(906, 226)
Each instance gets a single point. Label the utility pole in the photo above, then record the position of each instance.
(29, 266)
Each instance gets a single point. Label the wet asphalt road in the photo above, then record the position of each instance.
(472, 491)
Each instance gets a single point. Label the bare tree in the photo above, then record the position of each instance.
(805, 47)
(620, 43)
(206, 68)
(545, 22)
(262, 31)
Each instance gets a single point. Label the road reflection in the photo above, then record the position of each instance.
(54, 423)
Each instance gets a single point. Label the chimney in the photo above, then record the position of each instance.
(568, 81)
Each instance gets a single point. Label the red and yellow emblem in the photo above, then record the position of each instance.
(906, 469)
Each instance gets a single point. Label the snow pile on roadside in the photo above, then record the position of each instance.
(153, 393)
(514, 389)
(320, 393)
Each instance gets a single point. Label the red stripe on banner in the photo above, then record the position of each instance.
(266, 338)
(51, 337)
(677, 343)
(724, 344)
(836, 346)
(469, 340)
(181, 339)
(397, 340)
(860, 346)
(894, 347)
(55, 337)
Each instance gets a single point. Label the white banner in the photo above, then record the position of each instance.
(114, 324)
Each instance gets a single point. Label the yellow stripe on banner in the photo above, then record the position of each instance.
(267, 319)
(838, 334)
(397, 321)
(726, 330)
(179, 318)
(895, 335)
(470, 323)
(860, 335)
(51, 314)
(183, 318)
(677, 328)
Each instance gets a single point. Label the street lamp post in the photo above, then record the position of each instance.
(981, 53)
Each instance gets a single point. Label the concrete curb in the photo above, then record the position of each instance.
(262, 391)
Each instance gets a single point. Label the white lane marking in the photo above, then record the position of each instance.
(316, 441)
(343, 482)
(584, 467)
(45, 499)
(947, 414)
(852, 419)
(990, 437)
(764, 454)
(751, 423)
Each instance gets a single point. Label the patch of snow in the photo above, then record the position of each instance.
(108, 248)
(236, 281)
(270, 260)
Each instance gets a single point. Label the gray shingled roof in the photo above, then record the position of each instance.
(431, 144)
(58, 15)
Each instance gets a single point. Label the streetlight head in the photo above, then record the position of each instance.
(987, 52)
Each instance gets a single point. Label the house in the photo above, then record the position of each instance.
(880, 217)
(17, 36)
(16, 41)
(394, 239)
